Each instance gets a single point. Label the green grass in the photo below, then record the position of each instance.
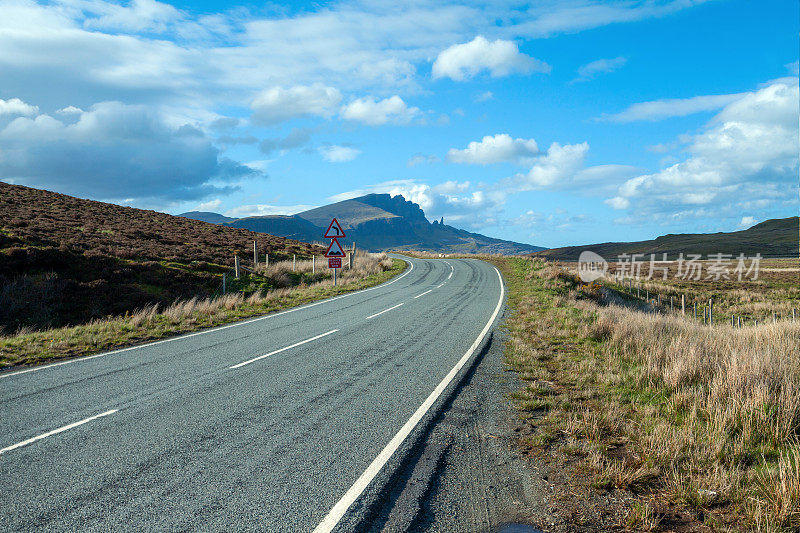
(117, 332)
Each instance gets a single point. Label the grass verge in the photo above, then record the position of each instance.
(696, 427)
(151, 323)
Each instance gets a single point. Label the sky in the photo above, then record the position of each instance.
(554, 123)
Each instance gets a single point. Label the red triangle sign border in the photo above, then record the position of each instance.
(334, 225)
(337, 251)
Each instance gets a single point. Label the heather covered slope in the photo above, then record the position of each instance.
(65, 260)
(775, 237)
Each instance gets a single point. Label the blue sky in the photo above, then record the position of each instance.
(552, 123)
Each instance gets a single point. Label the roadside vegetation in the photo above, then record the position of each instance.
(155, 321)
(65, 261)
(697, 427)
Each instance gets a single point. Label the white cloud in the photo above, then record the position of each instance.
(484, 97)
(601, 66)
(258, 210)
(211, 205)
(747, 222)
(138, 15)
(618, 202)
(501, 58)
(676, 107)
(420, 159)
(494, 149)
(747, 154)
(375, 113)
(115, 151)
(338, 154)
(556, 168)
(87, 48)
(15, 106)
(278, 104)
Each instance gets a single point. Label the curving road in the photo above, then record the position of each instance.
(287, 422)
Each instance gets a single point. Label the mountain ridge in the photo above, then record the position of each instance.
(772, 237)
(378, 222)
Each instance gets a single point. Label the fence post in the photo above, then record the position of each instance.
(266, 259)
(255, 253)
(350, 260)
(774, 318)
(236, 266)
(695, 310)
(638, 290)
(224, 288)
(294, 261)
(313, 264)
(710, 312)
(683, 304)
(792, 315)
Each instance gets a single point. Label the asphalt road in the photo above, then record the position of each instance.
(283, 423)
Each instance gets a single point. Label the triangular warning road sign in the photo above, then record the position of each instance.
(335, 250)
(335, 231)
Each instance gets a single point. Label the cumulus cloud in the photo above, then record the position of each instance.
(278, 104)
(747, 222)
(747, 154)
(375, 113)
(555, 168)
(590, 71)
(674, 107)
(500, 148)
(16, 107)
(500, 58)
(334, 153)
(115, 151)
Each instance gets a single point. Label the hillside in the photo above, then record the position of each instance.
(776, 237)
(65, 260)
(380, 222)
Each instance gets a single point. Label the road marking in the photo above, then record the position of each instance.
(451, 270)
(384, 311)
(56, 431)
(284, 349)
(220, 328)
(424, 293)
(337, 512)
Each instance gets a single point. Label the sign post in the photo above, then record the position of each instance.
(335, 251)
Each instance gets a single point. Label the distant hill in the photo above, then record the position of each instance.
(207, 216)
(380, 222)
(64, 260)
(775, 237)
(291, 226)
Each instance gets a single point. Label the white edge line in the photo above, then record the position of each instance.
(423, 294)
(218, 328)
(337, 512)
(384, 311)
(253, 360)
(56, 431)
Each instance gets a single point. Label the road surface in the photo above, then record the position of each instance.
(288, 422)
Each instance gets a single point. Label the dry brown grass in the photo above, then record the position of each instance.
(152, 322)
(707, 418)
